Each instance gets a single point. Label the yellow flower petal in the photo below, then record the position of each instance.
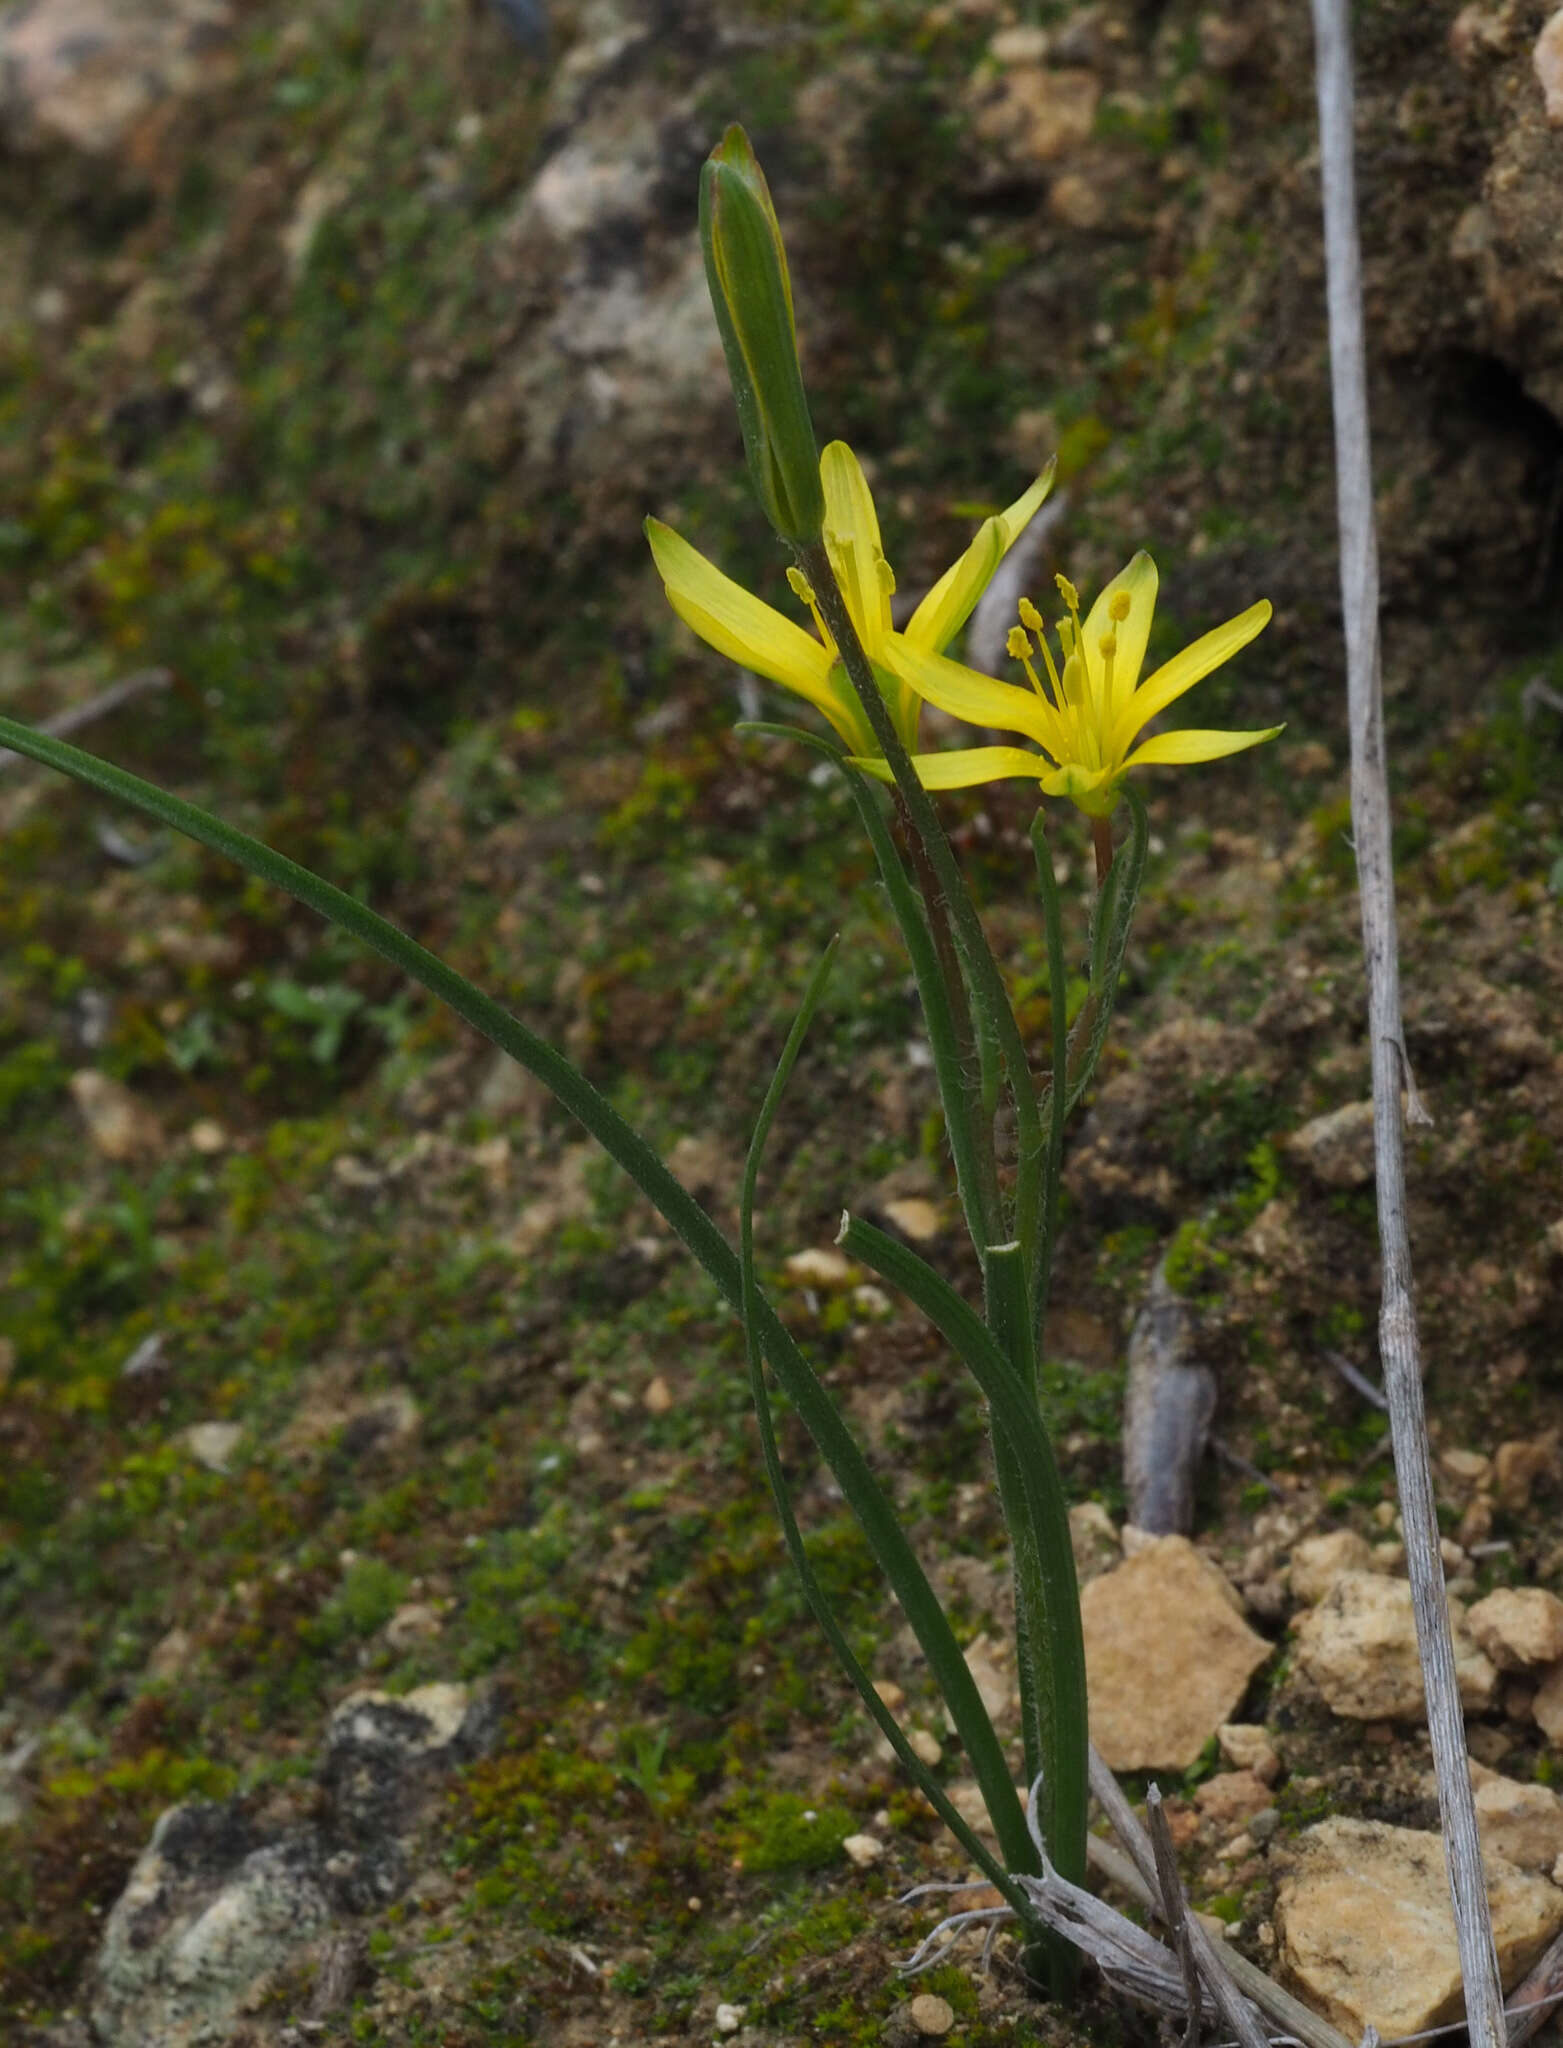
(1185, 670)
(978, 699)
(965, 767)
(1076, 781)
(853, 543)
(1177, 749)
(950, 603)
(953, 598)
(1138, 583)
(736, 623)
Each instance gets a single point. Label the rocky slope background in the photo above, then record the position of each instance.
(395, 1645)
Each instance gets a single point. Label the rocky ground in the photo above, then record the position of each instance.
(395, 1643)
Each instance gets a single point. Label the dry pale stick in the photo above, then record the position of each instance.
(1375, 873)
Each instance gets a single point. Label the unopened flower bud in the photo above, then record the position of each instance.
(751, 293)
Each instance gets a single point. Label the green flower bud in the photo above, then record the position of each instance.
(746, 272)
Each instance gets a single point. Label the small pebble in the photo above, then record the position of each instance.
(863, 1850)
(931, 2015)
(658, 1397)
(925, 1747)
(729, 2018)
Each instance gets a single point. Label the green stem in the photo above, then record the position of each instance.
(983, 978)
(1058, 1096)
(937, 984)
(814, 1592)
(1035, 1514)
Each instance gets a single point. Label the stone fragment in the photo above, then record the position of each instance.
(729, 2018)
(1247, 1747)
(1519, 1627)
(88, 73)
(213, 1444)
(1228, 1799)
(931, 2015)
(862, 1850)
(215, 1902)
(1521, 1822)
(820, 1266)
(1318, 1561)
(658, 1397)
(413, 1622)
(1167, 1655)
(170, 1656)
(1547, 1707)
(1548, 60)
(1519, 1464)
(1028, 115)
(1093, 1539)
(989, 1663)
(1359, 1647)
(1365, 1931)
(915, 1218)
(1337, 1148)
(1469, 1467)
(926, 1747)
(119, 1125)
(1077, 201)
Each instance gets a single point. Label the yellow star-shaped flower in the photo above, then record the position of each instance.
(747, 630)
(1095, 706)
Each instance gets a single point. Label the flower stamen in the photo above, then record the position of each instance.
(803, 591)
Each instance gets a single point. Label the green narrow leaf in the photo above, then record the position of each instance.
(814, 1592)
(629, 1150)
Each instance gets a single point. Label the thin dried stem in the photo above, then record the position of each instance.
(1370, 816)
(1174, 1908)
(1214, 1967)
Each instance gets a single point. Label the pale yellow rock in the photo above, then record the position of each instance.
(1318, 1561)
(1547, 1707)
(989, 1663)
(1031, 115)
(1337, 1148)
(120, 1127)
(863, 1850)
(915, 1217)
(1548, 60)
(1522, 1822)
(820, 1266)
(1365, 1931)
(1167, 1657)
(658, 1397)
(931, 2015)
(1093, 1539)
(927, 1747)
(1519, 1627)
(1247, 1747)
(414, 1622)
(1359, 1647)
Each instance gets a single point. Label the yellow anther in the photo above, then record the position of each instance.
(801, 587)
(1030, 616)
(1018, 643)
(886, 575)
(1108, 645)
(1119, 608)
(1067, 591)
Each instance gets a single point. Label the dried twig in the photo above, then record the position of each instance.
(1215, 1968)
(125, 691)
(1174, 1908)
(1535, 1997)
(1398, 1345)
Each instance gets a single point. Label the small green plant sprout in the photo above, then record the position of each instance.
(868, 681)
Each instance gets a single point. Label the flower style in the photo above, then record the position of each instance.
(748, 631)
(1095, 706)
